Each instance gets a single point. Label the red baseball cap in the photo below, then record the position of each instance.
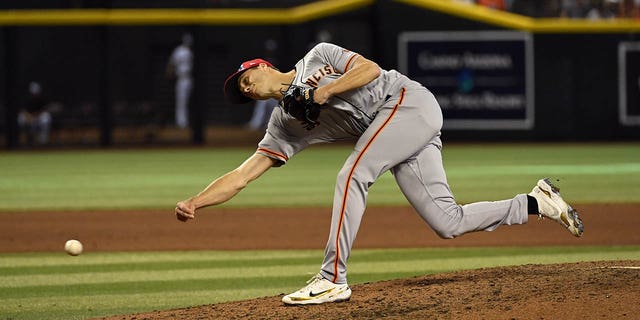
(231, 89)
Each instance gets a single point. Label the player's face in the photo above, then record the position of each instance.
(253, 83)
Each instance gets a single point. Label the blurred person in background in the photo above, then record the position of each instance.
(263, 108)
(494, 4)
(629, 9)
(179, 66)
(575, 9)
(603, 9)
(34, 119)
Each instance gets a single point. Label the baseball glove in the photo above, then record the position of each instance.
(298, 102)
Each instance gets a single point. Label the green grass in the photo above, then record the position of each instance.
(56, 286)
(125, 179)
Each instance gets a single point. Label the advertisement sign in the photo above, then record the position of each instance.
(482, 79)
(629, 82)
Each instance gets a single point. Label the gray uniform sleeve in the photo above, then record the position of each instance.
(280, 142)
(341, 59)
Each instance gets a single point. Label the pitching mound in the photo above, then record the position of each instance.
(587, 290)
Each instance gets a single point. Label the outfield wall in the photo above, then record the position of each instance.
(106, 67)
(576, 71)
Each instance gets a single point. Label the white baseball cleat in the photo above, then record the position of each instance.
(552, 206)
(319, 290)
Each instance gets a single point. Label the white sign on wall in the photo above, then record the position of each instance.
(482, 79)
(629, 83)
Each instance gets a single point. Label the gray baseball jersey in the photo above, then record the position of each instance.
(396, 123)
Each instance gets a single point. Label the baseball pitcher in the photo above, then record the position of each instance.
(334, 94)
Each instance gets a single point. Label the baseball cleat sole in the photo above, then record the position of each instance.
(569, 217)
(340, 296)
(317, 291)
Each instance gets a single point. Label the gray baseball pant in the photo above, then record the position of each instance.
(404, 137)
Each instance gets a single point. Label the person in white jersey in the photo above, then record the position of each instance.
(396, 124)
(180, 65)
(35, 119)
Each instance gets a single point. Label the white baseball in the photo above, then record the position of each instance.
(73, 247)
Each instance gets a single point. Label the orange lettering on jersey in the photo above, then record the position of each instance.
(311, 82)
(314, 79)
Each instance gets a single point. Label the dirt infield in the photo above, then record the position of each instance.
(585, 291)
(588, 290)
(297, 228)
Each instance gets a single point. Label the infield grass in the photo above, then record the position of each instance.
(57, 286)
(129, 179)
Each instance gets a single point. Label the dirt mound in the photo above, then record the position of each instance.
(586, 290)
